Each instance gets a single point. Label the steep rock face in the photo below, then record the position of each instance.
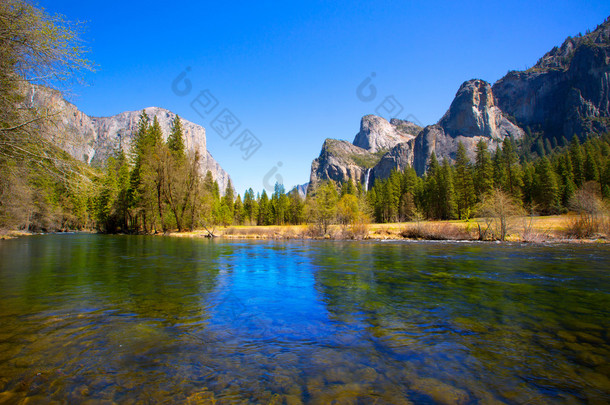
(94, 139)
(399, 157)
(377, 134)
(341, 161)
(473, 113)
(567, 92)
(472, 116)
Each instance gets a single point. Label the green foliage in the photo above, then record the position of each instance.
(483, 170)
(175, 140)
(464, 186)
(322, 206)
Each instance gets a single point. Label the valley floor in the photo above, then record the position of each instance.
(558, 228)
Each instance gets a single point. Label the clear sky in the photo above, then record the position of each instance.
(289, 71)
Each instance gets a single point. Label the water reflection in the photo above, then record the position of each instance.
(146, 319)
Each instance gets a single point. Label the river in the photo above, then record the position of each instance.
(129, 319)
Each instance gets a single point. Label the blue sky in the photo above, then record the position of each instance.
(289, 71)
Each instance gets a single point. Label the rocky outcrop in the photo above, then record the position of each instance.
(376, 134)
(567, 92)
(473, 113)
(341, 160)
(94, 139)
(472, 116)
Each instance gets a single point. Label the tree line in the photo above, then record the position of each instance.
(544, 185)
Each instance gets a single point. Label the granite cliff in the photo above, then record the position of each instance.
(342, 160)
(94, 139)
(567, 92)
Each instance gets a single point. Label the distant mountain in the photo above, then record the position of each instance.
(301, 189)
(567, 92)
(94, 139)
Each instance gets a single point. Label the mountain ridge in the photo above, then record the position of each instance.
(93, 139)
(566, 93)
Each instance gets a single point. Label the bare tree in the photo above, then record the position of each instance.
(498, 209)
(587, 202)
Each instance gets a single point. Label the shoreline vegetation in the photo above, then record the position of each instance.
(536, 229)
(540, 229)
(157, 186)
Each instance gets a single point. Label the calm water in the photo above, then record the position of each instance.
(166, 320)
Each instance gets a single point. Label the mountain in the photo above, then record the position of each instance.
(383, 146)
(341, 160)
(301, 189)
(93, 139)
(567, 92)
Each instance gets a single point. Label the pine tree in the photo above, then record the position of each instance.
(279, 204)
(447, 191)
(296, 207)
(499, 170)
(264, 209)
(464, 187)
(483, 170)
(591, 169)
(512, 168)
(348, 188)
(155, 134)
(137, 154)
(605, 179)
(238, 207)
(175, 141)
(545, 186)
(229, 199)
(578, 163)
(432, 194)
(528, 190)
(250, 207)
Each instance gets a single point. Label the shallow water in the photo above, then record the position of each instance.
(130, 319)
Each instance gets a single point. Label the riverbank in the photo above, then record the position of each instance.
(525, 229)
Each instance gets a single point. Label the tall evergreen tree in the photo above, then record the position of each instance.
(545, 185)
(512, 169)
(228, 200)
(279, 204)
(464, 187)
(264, 209)
(238, 208)
(578, 162)
(591, 169)
(483, 170)
(175, 141)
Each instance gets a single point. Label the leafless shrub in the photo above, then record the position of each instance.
(587, 202)
(435, 231)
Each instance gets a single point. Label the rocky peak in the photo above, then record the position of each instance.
(560, 57)
(567, 92)
(94, 139)
(377, 134)
(341, 161)
(473, 113)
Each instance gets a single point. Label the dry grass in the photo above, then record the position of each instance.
(587, 227)
(526, 229)
(436, 231)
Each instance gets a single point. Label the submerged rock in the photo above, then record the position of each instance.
(439, 391)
